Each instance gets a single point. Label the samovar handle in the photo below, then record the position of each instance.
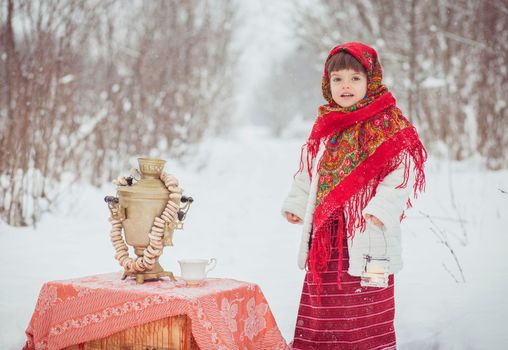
(182, 212)
(117, 212)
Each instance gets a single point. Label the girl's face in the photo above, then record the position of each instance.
(348, 86)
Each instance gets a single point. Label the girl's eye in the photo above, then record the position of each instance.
(335, 79)
(356, 78)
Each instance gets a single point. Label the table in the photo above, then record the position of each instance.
(173, 332)
(222, 314)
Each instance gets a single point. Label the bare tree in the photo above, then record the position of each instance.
(491, 39)
(40, 106)
(168, 83)
(445, 60)
(90, 83)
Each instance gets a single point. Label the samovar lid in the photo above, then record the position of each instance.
(150, 185)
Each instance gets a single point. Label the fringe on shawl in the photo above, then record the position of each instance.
(311, 149)
(347, 218)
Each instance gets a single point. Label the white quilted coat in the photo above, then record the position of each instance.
(387, 205)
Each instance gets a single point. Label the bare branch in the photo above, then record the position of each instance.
(442, 237)
(465, 240)
(450, 273)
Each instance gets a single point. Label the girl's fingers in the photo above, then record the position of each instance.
(292, 218)
(378, 223)
(295, 219)
(374, 220)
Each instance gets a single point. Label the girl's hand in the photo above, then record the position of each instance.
(292, 218)
(374, 220)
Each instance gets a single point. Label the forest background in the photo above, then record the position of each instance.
(86, 84)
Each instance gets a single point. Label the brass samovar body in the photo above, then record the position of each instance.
(136, 206)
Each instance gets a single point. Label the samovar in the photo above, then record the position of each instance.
(147, 208)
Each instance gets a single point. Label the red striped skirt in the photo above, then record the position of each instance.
(353, 317)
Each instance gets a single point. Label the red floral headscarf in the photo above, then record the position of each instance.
(367, 56)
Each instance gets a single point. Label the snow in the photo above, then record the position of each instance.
(431, 82)
(67, 79)
(238, 184)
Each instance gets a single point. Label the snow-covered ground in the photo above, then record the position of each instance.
(238, 184)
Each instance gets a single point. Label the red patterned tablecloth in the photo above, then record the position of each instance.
(226, 314)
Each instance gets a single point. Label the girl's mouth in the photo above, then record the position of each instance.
(346, 94)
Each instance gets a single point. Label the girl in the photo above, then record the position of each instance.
(357, 169)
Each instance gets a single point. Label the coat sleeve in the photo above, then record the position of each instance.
(296, 200)
(389, 201)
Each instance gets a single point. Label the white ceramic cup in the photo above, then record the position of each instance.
(194, 271)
